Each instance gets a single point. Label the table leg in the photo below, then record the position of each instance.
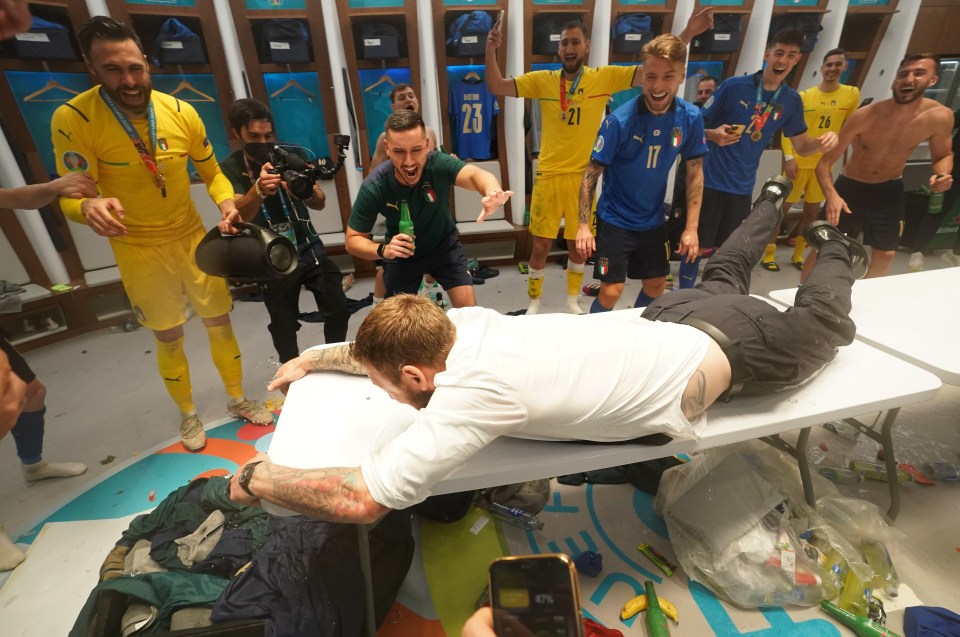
(804, 465)
(370, 613)
(886, 441)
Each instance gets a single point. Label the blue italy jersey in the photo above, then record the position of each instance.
(637, 149)
(473, 108)
(733, 168)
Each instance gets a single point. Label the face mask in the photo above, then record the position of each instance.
(261, 152)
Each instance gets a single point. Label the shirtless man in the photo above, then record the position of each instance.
(883, 134)
(402, 98)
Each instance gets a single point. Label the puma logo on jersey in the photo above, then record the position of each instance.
(67, 135)
(394, 206)
(744, 104)
(639, 138)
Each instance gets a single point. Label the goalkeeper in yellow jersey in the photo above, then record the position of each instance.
(135, 142)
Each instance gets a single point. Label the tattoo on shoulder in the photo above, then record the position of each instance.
(336, 359)
(694, 396)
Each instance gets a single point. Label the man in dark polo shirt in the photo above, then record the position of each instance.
(423, 180)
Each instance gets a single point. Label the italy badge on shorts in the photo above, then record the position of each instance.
(603, 265)
(676, 136)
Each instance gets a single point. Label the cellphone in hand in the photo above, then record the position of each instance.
(737, 128)
(535, 596)
(499, 23)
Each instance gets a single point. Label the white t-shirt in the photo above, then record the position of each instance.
(606, 377)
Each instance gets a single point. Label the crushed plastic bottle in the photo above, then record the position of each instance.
(513, 515)
(942, 470)
(884, 574)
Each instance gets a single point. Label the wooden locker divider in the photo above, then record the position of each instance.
(352, 18)
(863, 31)
(472, 235)
(729, 59)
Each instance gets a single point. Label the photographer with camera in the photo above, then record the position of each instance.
(274, 189)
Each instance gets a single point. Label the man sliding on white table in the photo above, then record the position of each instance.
(475, 374)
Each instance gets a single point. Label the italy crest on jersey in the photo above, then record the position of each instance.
(428, 193)
(676, 136)
(162, 143)
(603, 265)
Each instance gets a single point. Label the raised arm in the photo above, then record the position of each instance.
(586, 242)
(331, 494)
(698, 23)
(497, 84)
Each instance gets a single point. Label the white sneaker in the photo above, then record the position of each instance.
(915, 264)
(951, 259)
(573, 306)
(534, 307)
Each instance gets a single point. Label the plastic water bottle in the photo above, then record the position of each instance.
(884, 574)
(942, 470)
(514, 516)
(855, 595)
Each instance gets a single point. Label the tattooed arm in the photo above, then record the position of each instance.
(694, 396)
(329, 494)
(586, 243)
(689, 239)
(328, 359)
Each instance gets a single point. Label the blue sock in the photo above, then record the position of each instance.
(688, 273)
(28, 436)
(643, 300)
(596, 307)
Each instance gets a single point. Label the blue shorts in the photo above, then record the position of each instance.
(634, 254)
(447, 263)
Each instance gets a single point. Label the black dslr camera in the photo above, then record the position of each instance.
(300, 174)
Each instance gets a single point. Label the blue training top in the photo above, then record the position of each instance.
(733, 168)
(638, 149)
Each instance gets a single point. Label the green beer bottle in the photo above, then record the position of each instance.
(656, 619)
(860, 625)
(406, 223)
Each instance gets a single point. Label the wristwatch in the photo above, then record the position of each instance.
(380, 249)
(246, 474)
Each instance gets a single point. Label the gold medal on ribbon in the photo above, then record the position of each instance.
(563, 116)
(756, 135)
(159, 180)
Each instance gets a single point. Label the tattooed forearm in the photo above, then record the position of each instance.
(588, 190)
(694, 396)
(694, 185)
(331, 494)
(335, 359)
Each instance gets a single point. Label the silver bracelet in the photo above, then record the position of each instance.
(256, 187)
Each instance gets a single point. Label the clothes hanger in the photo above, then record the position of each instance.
(292, 84)
(472, 75)
(51, 85)
(384, 79)
(187, 86)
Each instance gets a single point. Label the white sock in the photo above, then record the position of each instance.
(10, 555)
(534, 307)
(377, 300)
(43, 470)
(573, 305)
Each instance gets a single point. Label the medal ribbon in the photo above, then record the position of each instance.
(564, 94)
(760, 120)
(138, 144)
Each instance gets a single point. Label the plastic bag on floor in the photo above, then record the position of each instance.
(739, 524)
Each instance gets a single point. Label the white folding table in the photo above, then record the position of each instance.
(334, 420)
(913, 317)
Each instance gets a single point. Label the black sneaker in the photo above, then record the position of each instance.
(819, 232)
(776, 189)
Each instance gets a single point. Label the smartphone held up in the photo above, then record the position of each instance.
(535, 596)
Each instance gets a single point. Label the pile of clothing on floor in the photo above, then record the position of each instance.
(200, 560)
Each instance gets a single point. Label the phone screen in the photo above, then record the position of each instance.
(535, 595)
(737, 128)
(499, 24)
